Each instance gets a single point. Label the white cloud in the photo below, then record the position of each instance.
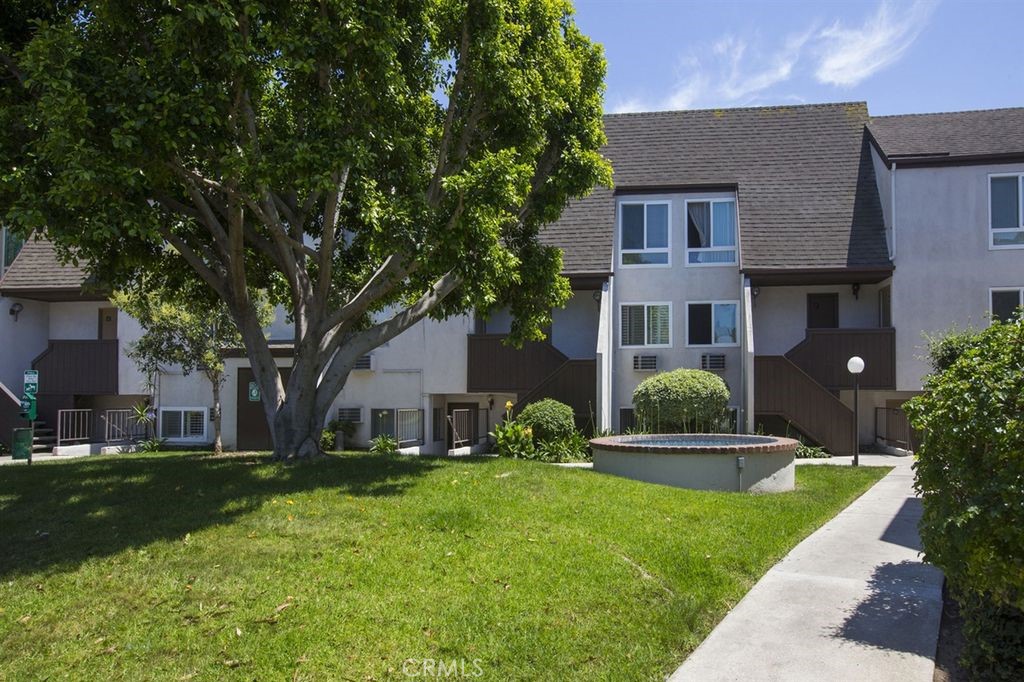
(744, 71)
(850, 55)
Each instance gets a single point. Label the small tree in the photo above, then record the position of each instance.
(681, 401)
(186, 328)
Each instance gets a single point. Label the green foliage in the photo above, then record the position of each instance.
(342, 426)
(152, 445)
(571, 448)
(513, 439)
(805, 451)
(328, 440)
(945, 348)
(970, 473)
(681, 401)
(384, 445)
(548, 419)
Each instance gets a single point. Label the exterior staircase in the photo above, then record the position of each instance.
(783, 390)
(43, 439)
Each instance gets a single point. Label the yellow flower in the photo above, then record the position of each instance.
(508, 406)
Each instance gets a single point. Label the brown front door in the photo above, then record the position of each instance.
(822, 311)
(108, 324)
(253, 432)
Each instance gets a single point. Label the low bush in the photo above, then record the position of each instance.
(512, 439)
(805, 451)
(548, 419)
(384, 445)
(681, 401)
(572, 448)
(327, 440)
(970, 473)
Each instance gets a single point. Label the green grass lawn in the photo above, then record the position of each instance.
(190, 567)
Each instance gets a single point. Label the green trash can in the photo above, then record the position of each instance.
(21, 444)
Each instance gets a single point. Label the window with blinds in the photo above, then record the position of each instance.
(183, 423)
(646, 324)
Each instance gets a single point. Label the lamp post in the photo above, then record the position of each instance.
(855, 365)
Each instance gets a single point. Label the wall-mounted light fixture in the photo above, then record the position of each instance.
(755, 292)
(490, 402)
(856, 291)
(16, 310)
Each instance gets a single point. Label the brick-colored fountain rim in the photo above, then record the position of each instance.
(620, 444)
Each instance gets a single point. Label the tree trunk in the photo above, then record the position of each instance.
(297, 430)
(216, 379)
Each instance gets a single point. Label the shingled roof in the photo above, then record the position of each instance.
(950, 137)
(38, 274)
(805, 184)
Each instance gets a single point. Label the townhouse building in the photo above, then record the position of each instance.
(766, 244)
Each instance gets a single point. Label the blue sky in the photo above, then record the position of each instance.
(901, 56)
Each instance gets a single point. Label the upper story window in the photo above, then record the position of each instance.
(712, 323)
(646, 324)
(644, 235)
(1005, 303)
(1006, 211)
(711, 232)
(10, 245)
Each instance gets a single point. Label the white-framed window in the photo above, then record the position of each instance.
(10, 246)
(711, 232)
(1004, 301)
(1006, 211)
(712, 323)
(645, 325)
(405, 425)
(645, 234)
(184, 423)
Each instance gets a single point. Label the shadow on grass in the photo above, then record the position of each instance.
(57, 516)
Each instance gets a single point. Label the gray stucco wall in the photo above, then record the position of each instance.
(21, 341)
(944, 267)
(676, 284)
(780, 313)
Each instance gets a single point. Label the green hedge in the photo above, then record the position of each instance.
(681, 401)
(549, 419)
(970, 473)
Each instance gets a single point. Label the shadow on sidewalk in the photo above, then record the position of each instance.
(900, 597)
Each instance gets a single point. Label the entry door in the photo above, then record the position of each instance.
(822, 311)
(108, 324)
(251, 429)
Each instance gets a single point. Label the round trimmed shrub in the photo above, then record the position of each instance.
(681, 401)
(549, 419)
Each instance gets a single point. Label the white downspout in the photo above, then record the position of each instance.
(892, 212)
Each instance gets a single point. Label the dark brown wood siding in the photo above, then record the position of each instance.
(784, 390)
(575, 384)
(80, 367)
(494, 367)
(824, 352)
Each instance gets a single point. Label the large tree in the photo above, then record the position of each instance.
(368, 163)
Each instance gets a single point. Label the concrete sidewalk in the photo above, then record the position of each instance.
(853, 601)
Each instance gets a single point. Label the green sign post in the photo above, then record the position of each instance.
(254, 392)
(31, 382)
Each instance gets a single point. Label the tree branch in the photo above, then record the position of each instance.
(329, 235)
(434, 189)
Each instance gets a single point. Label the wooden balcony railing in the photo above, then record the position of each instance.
(499, 368)
(824, 352)
(80, 367)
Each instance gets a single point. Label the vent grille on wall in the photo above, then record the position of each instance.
(713, 362)
(350, 414)
(645, 363)
(365, 362)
